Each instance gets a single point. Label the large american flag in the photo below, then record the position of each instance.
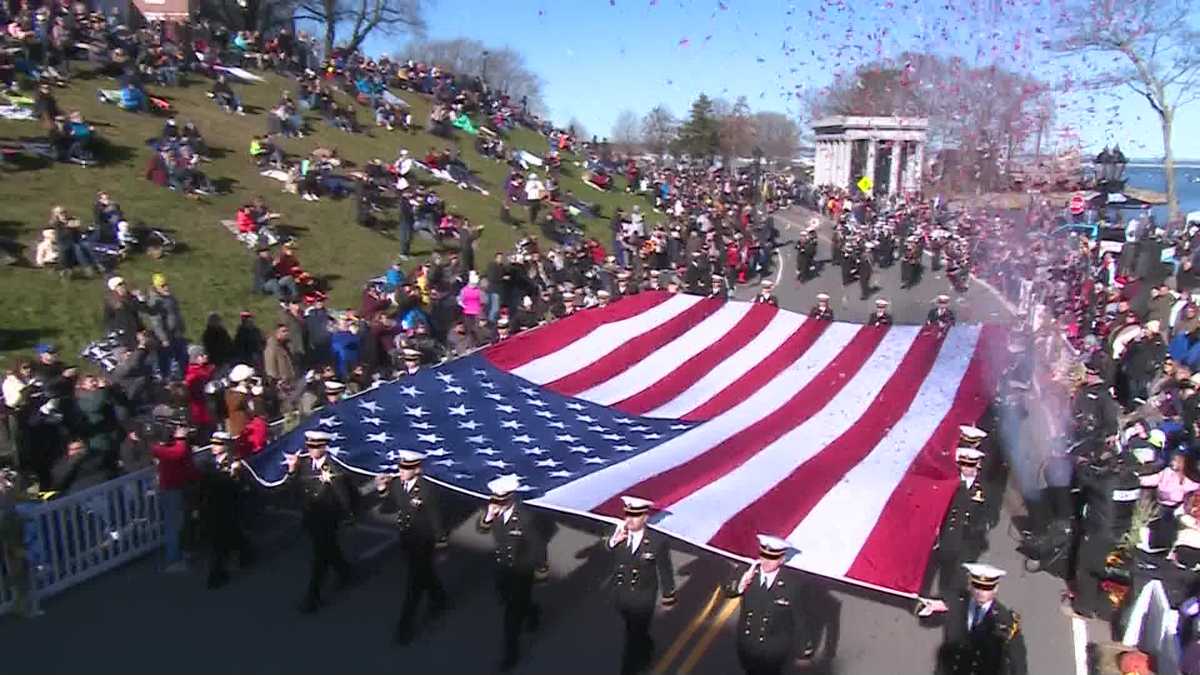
(735, 418)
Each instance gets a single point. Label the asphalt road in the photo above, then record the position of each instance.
(140, 620)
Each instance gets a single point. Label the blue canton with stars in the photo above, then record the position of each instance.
(474, 422)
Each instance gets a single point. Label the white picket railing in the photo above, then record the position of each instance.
(73, 538)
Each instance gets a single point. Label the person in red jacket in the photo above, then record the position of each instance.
(196, 377)
(176, 474)
(253, 438)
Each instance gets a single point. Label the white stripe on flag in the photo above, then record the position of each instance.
(736, 365)
(661, 362)
(835, 530)
(699, 515)
(594, 489)
(600, 342)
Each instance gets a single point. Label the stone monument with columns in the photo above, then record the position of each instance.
(888, 150)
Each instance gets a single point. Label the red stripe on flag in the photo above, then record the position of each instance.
(758, 376)
(897, 551)
(529, 346)
(691, 371)
(625, 356)
(782, 507)
(670, 486)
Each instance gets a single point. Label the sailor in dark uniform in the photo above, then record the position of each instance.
(806, 253)
(773, 619)
(412, 360)
(326, 502)
(697, 275)
(941, 315)
(982, 636)
(641, 571)
(624, 287)
(766, 295)
(964, 527)
(864, 272)
(910, 264)
(421, 533)
(604, 298)
(881, 316)
(822, 310)
(520, 552)
(221, 487)
(719, 289)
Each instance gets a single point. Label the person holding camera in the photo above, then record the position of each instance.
(176, 476)
(1111, 491)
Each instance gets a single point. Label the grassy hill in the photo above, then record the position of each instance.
(212, 272)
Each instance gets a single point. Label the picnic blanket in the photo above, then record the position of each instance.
(527, 159)
(239, 73)
(463, 182)
(252, 241)
(16, 112)
(463, 122)
(392, 99)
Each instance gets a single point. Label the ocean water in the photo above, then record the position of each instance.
(1155, 178)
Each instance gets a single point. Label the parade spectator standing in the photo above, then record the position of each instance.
(279, 364)
(121, 312)
(166, 321)
(176, 475)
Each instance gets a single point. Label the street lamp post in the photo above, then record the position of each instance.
(483, 74)
(758, 161)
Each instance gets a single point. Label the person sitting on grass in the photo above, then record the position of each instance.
(265, 153)
(224, 97)
(132, 98)
(72, 137)
(74, 246)
(47, 253)
(385, 116)
(267, 280)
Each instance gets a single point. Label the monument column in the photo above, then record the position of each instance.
(844, 167)
(821, 170)
(894, 166)
(869, 170)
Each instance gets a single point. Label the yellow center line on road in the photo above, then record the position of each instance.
(682, 639)
(714, 627)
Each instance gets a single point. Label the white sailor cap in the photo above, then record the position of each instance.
(881, 302)
(503, 487)
(968, 456)
(240, 373)
(410, 459)
(983, 575)
(636, 506)
(971, 432)
(772, 547)
(334, 387)
(220, 438)
(316, 437)
(942, 299)
(822, 297)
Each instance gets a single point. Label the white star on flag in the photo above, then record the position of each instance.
(445, 462)
(429, 438)
(510, 424)
(567, 438)
(456, 390)
(329, 422)
(415, 412)
(423, 426)
(469, 425)
(624, 448)
(544, 413)
(494, 396)
(640, 427)
(446, 378)
(487, 451)
(623, 420)
(574, 406)
(581, 448)
(535, 450)
(529, 392)
(505, 408)
(594, 460)
(459, 410)
(597, 428)
(370, 406)
(651, 437)
(497, 463)
(335, 436)
(536, 402)
(585, 418)
(548, 463)
(677, 427)
(611, 437)
(381, 437)
(476, 439)
(438, 452)
(479, 372)
(409, 390)
(556, 425)
(488, 385)
(560, 474)
(335, 450)
(374, 421)
(523, 438)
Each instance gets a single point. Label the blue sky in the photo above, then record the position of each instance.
(598, 57)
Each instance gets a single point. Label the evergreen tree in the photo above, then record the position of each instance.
(700, 135)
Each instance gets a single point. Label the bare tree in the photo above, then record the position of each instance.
(363, 18)
(658, 129)
(626, 133)
(778, 135)
(504, 69)
(1151, 48)
(737, 133)
(264, 16)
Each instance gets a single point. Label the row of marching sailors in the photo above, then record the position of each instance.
(858, 253)
(940, 316)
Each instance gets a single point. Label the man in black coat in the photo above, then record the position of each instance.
(642, 568)
(520, 552)
(221, 486)
(421, 533)
(773, 619)
(982, 636)
(964, 527)
(881, 317)
(327, 500)
(865, 270)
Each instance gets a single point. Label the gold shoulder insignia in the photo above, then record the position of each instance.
(1015, 626)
